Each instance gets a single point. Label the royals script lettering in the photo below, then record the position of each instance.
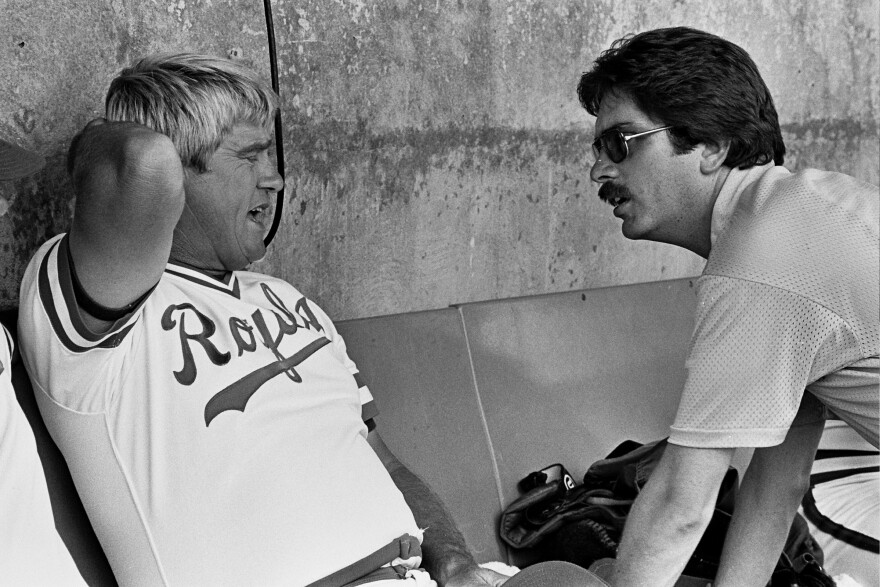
(268, 328)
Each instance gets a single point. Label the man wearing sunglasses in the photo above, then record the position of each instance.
(689, 152)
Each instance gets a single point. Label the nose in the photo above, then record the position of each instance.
(270, 178)
(603, 169)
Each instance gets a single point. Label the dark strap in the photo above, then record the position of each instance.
(817, 478)
(404, 547)
(833, 453)
(829, 526)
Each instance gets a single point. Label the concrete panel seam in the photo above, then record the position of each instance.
(496, 474)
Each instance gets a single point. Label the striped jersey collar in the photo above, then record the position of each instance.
(230, 286)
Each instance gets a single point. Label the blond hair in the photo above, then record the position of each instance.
(193, 99)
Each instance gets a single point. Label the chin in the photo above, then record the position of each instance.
(630, 232)
(635, 231)
(255, 255)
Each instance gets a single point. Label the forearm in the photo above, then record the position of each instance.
(444, 550)
(657, 541)
(129, 186)
(768, 498)
(754, 539)
(670, 515)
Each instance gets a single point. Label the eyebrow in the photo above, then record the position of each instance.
(255, 147)
(612, 127)
(621, 126)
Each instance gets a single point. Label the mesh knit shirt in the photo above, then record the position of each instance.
(788, 302)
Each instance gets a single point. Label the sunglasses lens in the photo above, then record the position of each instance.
(615, 146)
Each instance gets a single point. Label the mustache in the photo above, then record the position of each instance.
(609, 192)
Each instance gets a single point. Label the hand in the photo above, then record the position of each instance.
(102, 136)
(476, 577)
(124, 152)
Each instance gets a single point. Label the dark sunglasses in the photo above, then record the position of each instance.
(614, 143)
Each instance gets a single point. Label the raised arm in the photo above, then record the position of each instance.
(129, 195)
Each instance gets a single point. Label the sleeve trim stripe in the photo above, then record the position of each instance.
(359, 380)
(65, 279)
(9, 341)
(47, 300)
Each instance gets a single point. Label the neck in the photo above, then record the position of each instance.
(221, 275)
(180, 256)
(702, 244)
(192, 254)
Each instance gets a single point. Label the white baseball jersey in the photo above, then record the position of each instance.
(216, 436)
(31, 551)
(788, 301)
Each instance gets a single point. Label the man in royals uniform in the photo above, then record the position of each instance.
(215, 427)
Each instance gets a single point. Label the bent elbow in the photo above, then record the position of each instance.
(686, 513)
(798, 487)
(691, 520)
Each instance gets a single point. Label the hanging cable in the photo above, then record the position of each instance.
(279, 138)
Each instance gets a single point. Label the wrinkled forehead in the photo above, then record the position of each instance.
(244, 136)
(263, 122)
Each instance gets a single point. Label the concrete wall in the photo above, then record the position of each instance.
(436, 152)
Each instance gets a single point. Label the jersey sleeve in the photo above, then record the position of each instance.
(55, 293)
(369, 409)
(7, 347)
(754, 350)
(60, 352)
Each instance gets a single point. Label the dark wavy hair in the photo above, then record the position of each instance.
(706, 88)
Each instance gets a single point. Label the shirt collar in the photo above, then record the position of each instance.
(229, 285)
(734, 186)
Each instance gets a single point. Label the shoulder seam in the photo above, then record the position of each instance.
(792, 293)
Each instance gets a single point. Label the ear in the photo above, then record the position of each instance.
(712, 156)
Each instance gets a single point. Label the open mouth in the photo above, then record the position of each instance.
(613, 194)
(258, 213)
